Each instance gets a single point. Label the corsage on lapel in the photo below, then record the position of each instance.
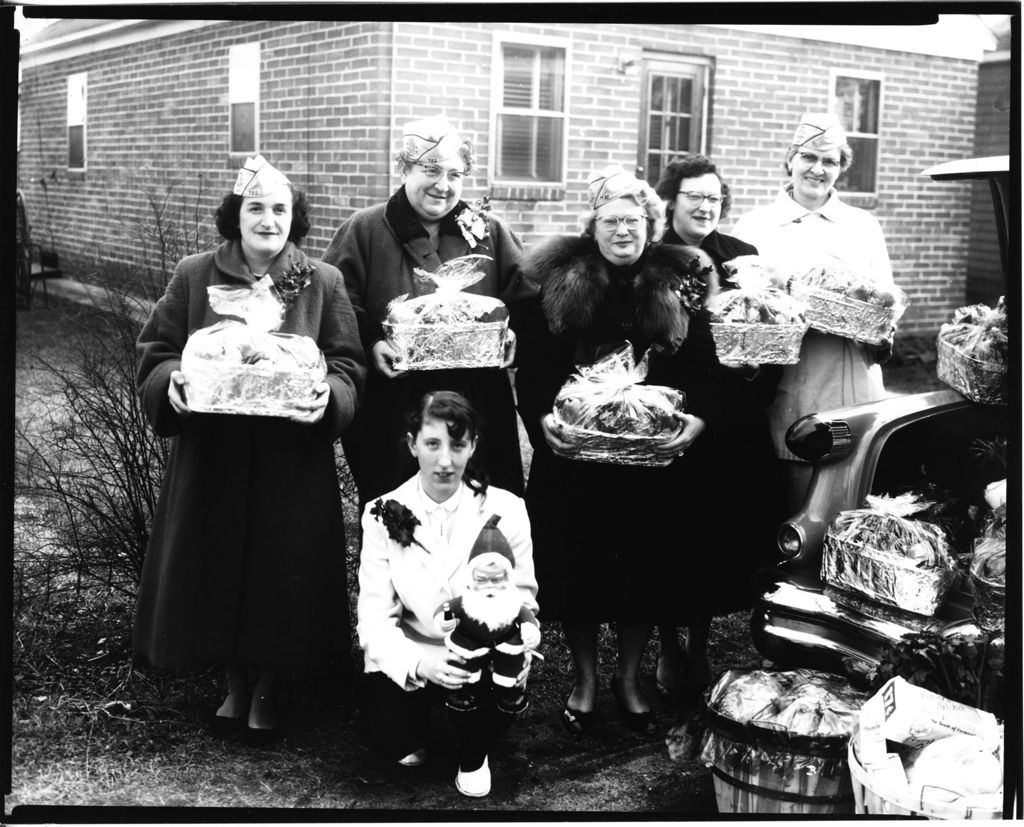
(399, 521)
(472, 221)
(292, 282)
(692, 286)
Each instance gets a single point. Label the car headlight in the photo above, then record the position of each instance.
(819, 440)
(790, 539)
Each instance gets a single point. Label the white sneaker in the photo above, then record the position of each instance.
(475, 784)
(414, 759)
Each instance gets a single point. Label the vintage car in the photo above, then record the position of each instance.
(937, 440)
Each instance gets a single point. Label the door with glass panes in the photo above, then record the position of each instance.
(673, 116)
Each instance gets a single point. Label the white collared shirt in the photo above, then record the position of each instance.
(439, 515)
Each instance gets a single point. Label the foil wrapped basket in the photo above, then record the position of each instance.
(840, 315)
(886, 576)
(979, 381)
(763, 344)
(618, 449)
(448, 345)
(232, 369)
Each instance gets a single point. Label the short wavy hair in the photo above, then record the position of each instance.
(404, 160)
(644, 196)
(227, 216)
(845, 157)
(692, 166)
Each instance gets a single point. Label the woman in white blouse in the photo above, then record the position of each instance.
(416, 544)
(805, 226)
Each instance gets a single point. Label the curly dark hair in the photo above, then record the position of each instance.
(692, 166)
(227, 215)
(462, 421)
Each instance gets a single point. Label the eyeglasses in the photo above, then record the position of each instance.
(698, 198)
(611, 222)
(436, 173)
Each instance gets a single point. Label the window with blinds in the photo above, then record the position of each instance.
(674, 114)
(76, 120)
(244, 97)
(530, 116)
(857, 102)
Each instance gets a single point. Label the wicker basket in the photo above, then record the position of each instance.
(840, 315)
(441, 346)
(763, 344)
(885, 576)
(983, 382)
(872, 799)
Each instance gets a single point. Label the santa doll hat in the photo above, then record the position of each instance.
(492, 547)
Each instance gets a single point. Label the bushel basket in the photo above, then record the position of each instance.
(983, 382)
(840, 315)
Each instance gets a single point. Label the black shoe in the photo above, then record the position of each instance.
(642, 722)
(261, 738)
(222, 725)
(577, 722)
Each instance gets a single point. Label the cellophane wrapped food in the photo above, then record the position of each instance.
(610, 416)
(987, 568)
(973, 352)
(448, 328)
(776, 741)
(245, 367)
(843, 303)
(752, 320)
(882, 552)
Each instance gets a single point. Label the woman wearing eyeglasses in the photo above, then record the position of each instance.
(611, 540)
(744, 473)
(807, 225)
(424, 224)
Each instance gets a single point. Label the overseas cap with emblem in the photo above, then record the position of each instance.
(430, 140)
(610, 183)
(258, 177)
(820, 131)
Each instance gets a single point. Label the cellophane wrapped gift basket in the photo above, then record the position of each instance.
(610, 416)
(987, 566)
(916, 753)
(845, 304)
(245, 367)
(973, 350)
(776, 741)
(752, 320)
(882, 552)
(448, 328)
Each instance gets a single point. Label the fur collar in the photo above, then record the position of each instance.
(573, 276)
(406, 224)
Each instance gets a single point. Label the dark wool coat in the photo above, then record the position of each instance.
(376, 250)
(246, 559)
(612, 542)
(746, 469)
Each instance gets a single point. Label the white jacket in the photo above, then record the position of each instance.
(400, 588)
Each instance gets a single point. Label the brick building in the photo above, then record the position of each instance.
(118, 117)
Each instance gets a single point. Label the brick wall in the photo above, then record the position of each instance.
(334, 94)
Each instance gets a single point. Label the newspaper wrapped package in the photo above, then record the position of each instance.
(845, 304)
(448, 328)
(609, 416)
(244, 367)
(881, 552)
(776, 741)
(752, 321)
(973, 351)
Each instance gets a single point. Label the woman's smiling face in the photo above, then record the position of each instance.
(693, 222)
(620, 229)
(265, 223)
(433, 190)
(813, 174)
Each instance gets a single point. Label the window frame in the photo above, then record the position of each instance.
(666, 63)
(80, 119)
(834, 75)
(244, 88)
(497, 108)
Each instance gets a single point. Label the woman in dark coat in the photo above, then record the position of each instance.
(423, 225)
(745, 473)
(611, 541)
(246, 560)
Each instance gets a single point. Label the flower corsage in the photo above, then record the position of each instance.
(472, 221)
(692, 286)
(399, 521)
(293, 281)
